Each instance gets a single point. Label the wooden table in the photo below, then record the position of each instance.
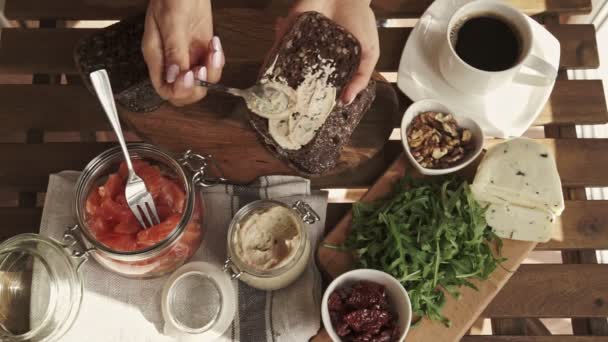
(52, 124)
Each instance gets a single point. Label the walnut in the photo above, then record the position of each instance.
(466, 135)
(436, 140)
(438, 152)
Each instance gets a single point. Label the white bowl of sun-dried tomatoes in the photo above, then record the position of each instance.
(366, 303)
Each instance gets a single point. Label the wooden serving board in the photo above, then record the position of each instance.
(463, 312)
(218, 125)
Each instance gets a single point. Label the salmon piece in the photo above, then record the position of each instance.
(172, 195)
(163, 212)
(112, 187)
(114, 212)
(93, 202)
(159, 232)
(98, 226)
(129, 226)
(138, 164)
(119, 242)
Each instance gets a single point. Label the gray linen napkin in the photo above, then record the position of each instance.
(117, 309)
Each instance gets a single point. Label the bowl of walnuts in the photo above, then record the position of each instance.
(438, 141)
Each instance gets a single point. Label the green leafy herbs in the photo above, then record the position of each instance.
(431, 235)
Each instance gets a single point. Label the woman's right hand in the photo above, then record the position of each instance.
(179, 48)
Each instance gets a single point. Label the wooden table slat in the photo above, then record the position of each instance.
(553, 290)
(583, 225)
(554, 338)
(28, 51)
(18, 221)
(73, 108)
(580, 102)
(104, 10)
(98, 9)
(580, 162)
(25, 167)
(60, 108)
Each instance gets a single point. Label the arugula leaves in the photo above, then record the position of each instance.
(431, 235)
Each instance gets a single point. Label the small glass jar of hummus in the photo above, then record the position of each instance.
(268, 244)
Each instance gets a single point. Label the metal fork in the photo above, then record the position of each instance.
(139, 199)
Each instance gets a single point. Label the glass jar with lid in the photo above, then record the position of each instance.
(268, 244)
(181, 235)
(41, 289)
(34, 264)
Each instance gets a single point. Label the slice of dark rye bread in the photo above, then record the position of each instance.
(312, 36)
(117, 48)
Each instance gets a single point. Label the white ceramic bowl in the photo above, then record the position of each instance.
(423, 106)
(397, 297)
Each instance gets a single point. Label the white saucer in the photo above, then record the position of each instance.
(506, 112)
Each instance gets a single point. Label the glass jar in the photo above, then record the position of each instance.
(180, 244)
(274, 278)
(40, 287)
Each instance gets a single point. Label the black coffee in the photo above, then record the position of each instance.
(488, 43)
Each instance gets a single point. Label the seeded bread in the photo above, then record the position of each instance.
(312, 36)
(117, 48)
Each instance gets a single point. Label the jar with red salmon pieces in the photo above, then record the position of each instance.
(116, 239)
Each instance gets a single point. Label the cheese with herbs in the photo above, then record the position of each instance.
(520, 171)
(520, 223)
(519, 181)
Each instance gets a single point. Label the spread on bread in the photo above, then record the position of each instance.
(295, 115)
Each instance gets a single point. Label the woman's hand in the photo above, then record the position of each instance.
(357, 17)
(179, 47)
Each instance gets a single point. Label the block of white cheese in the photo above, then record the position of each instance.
(519, 223)
(521, 172)
(519, 181)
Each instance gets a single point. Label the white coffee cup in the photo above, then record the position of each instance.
(463, 76)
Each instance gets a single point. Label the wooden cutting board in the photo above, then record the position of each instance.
(218, 125)
(463, 312)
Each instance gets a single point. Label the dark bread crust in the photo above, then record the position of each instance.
(313, 35)
(117, 48)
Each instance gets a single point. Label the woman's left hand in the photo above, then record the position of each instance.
(358, 18)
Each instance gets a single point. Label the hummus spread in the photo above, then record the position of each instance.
(268, 239)
(308, 106)
(275, 101)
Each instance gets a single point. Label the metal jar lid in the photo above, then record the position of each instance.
(198, 302)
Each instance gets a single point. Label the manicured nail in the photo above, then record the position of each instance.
(189, 79)
(218, 53)
(216, 43)
(347, 101)
(202, 74)
(216, 59)
(172, 72)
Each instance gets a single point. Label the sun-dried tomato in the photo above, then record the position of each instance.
(360, 313)
(365, 295)
(367, 320)
(334, 303)
(343, 329)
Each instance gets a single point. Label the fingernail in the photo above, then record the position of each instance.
(218, 54)
(172, 72)
(347, 101)
(202, 74)
(217, 59)
(216, 43)
(189, 79)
